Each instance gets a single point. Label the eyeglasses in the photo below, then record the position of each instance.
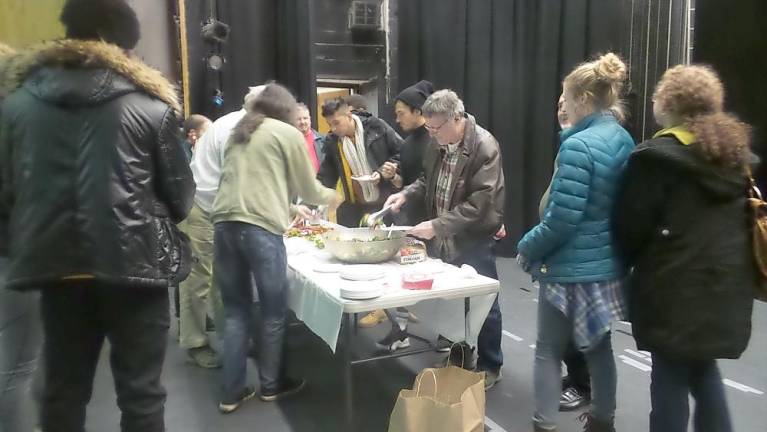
(436, 129)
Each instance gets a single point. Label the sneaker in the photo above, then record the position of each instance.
(373, 319)
(491, 377)
(443, 344)
(247, 395)
(538, 428)
(396, 339)
(591, 424)
(287, 388)
(573, 399)
(204, 357)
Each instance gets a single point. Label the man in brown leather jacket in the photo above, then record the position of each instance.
(463, 188)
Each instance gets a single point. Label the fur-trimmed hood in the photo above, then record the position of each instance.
(47, 62)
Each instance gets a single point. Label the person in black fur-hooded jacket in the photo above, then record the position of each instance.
(93, 178)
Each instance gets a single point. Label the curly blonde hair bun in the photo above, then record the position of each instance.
(601, 81)
(611, 68)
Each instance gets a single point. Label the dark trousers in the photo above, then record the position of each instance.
(242, 250)
(673, 382)
(21, 336)
(489, 354)
(76, 319)
(577, 370)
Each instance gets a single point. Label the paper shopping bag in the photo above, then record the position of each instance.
(447, 399)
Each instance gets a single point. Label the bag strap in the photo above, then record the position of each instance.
(754, 191)
(420, 378)
(463, 353)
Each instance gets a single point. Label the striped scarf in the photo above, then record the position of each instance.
(356, 155)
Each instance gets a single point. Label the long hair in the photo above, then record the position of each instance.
(274, 102)
(695, 96)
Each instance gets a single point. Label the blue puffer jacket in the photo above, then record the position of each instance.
(573, 241)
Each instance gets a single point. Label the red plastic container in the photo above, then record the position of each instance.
(417, 281)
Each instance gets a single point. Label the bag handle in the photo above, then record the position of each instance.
(754, 191)
(463, 354)
(420, 378)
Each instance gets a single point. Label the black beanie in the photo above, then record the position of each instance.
(112, 21)
(415, 95)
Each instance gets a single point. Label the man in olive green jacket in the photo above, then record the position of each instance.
(266, 166)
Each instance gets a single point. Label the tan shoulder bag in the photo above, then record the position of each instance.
(758, 207)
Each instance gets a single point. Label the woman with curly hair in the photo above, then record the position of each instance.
(681, 222)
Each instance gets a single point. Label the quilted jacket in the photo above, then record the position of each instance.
(573, 242)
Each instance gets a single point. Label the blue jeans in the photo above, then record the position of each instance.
(554, 334)
(673, 382)
(241, 250)
(489, 354)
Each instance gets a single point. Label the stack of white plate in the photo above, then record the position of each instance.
(362, 272)
(363, 282)
(361, 291)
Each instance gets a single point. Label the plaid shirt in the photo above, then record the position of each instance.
(591, 307)
(443, 194)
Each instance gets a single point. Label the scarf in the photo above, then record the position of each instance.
(679, 132)
(356, 155)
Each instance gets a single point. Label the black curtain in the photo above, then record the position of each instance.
(251, 50)
(730, 37)
(295, 57)
(268, 40)
(200, 96)
(657, 42)
(506, 59)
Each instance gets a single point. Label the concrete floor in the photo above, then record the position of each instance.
(193, 392)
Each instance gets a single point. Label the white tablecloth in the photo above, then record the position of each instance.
(315, 297)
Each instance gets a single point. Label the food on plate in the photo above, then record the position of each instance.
(312, 233)
(307, 230)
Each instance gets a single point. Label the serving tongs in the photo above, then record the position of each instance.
(376, 218)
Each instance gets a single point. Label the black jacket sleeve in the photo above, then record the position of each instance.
(328, 174)
(638, 206)
(393, 143)
(175, 182)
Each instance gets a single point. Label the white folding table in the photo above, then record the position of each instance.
(316, 300)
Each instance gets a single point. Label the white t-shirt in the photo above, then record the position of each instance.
(208, 158)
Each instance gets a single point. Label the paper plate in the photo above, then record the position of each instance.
(363, 179)
(362, 292)
(328, 268)
(362, 273)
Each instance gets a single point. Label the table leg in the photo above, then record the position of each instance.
(466, 320)
(348, 384)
